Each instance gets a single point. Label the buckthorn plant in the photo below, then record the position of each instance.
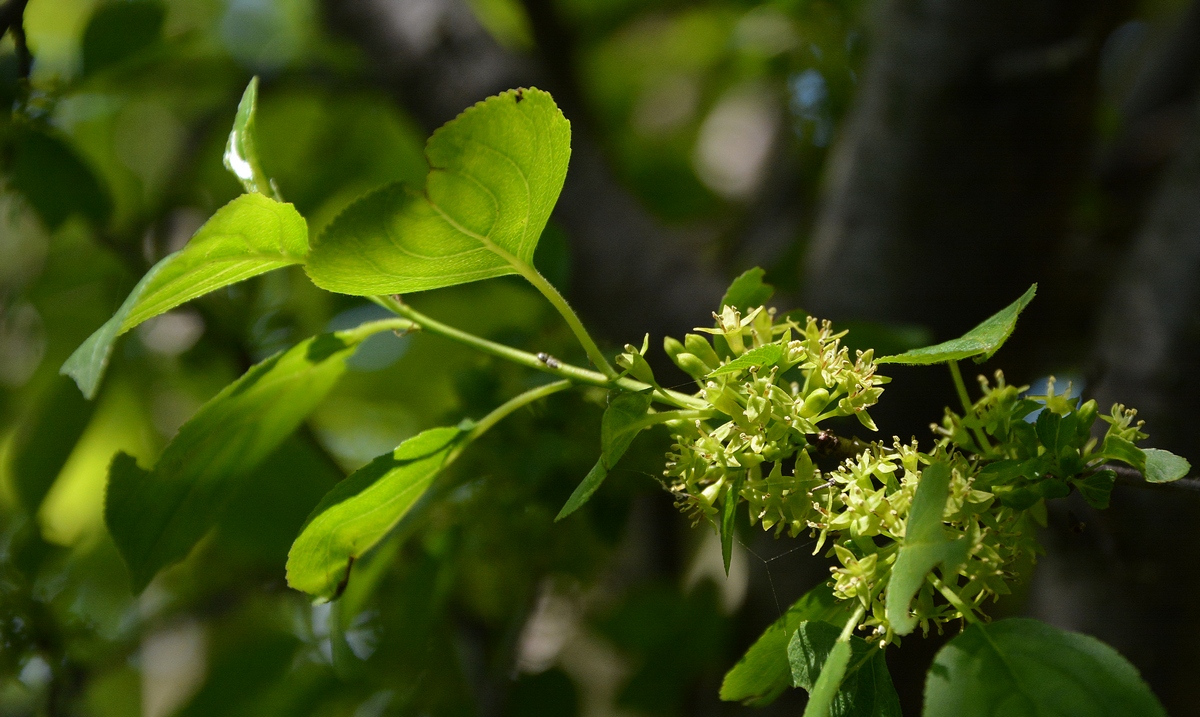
(923, 533)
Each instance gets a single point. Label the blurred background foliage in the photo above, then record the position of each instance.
(910, 166)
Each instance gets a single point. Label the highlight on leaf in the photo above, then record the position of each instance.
(156, 516)
(980, 343)
(495, 174)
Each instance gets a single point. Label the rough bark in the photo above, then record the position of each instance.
(951, 188)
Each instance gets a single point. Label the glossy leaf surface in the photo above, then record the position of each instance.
(980, 343)
(241, 150)
(1025, 667)
(360, 510)
(156, 516)
(249, 236)
(496, 173)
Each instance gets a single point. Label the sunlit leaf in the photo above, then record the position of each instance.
(979, 343)
(865, 686)
(1164, 466)
(754, 358)
(241, 151)
(496, 174)
(249, 236)
(763, 672)
(360, 510)
(748, 291)
(924, 547)
(1025, 667)
(618, 428)
(156, 516)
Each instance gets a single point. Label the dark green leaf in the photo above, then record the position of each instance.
(1164, 466)
(763, 672)
(242, 672)
(925, 546)
(360, 511)
(1025, 667)
(497, 172)
(999, 473)
(759, 357)
(618, 428)
(978, 343)
(729, 518)
(866, 688)
(56, 180)
(45, 440)
(241, 151)
(155, 517)
(829, 680)
(1096, 489)
(748, 291)
(249, 236)
(120, 30)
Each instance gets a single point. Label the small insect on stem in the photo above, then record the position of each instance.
(549, 360)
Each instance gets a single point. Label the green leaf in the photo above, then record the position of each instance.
(241, 151)
(496, 174)
(619, 426)
(1096, 489)
(118, 31)
(45, 167)
(866, 685)
(1025, 667)
(1120, 449)
(748, 291)
(729, 518)
(829, 680)
(249, 236)
(759, 357)
(979, 343)
(1164, 466)
(155, 517)
(763, 672)
(925, 546)
(360, 511)
(44, 440)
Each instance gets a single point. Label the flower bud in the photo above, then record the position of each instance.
(672, 347)
(813, 404)
(691, 365)
(698, 346)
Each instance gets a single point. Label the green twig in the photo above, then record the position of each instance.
(968, 408)
(500, 412)
(542, 363)
(581, 333)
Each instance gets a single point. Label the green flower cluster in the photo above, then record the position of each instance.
(770, 381)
